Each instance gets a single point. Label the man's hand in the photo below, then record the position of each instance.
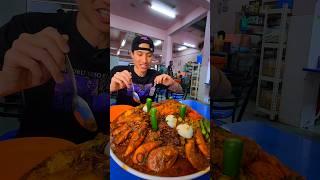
(120, 80)
(164, 79)
(34, 58)
(167, 80)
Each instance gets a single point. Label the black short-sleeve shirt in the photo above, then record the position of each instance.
(142, 85)
(48, 108)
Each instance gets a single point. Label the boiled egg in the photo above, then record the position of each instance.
(171, 121)
(185, 130)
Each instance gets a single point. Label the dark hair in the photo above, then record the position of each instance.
(222, 33)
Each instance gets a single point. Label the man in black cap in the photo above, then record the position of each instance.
(139, 75)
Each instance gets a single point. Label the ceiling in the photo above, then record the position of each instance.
(116, 37)
(139, 10)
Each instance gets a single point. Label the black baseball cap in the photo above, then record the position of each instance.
(140, 40)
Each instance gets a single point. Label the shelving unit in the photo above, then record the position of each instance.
(195, 80)
(264, 102)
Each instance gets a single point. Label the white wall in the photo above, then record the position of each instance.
(294, 79)
(314, 52)
(226, 20)
(181, 58)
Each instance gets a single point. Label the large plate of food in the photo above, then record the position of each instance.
(256, 164)
(88, 160)
(167, 141)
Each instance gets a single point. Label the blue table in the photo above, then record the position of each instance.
(116, 172)
(201, 108)
(300, 154)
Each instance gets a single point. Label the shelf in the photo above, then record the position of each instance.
(254, 34)
(313, 70)
(270, 79)
(251, 24)
(273, 45)
(264, 110)
(254, 14)
(276, 11)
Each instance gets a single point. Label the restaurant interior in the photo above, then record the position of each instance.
(249, 70)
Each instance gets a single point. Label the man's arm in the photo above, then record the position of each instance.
(6, 87)
(167, 81)
(175, 87)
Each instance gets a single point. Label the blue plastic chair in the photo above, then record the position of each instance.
(9, 135)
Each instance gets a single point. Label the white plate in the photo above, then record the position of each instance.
(147, 176)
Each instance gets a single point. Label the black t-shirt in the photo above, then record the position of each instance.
(48, 110)
(142, 86)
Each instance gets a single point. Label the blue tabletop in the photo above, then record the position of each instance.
(201, 108)
(116, 172)
(300, 154)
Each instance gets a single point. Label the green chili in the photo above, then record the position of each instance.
(206, 124)
(149, 103)
(203, 130)
(183, 109)
(153, 117)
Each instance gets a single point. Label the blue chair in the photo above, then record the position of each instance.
(9, 135)
(176, 96)
(160, 95)
(224, 109)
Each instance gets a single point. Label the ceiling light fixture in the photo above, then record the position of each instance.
(123, 42)
(157, 42)
(118, 53)
(163, 8)
(181, 48)
(189, 45)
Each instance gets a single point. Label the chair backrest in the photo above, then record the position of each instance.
(176, 96)
(243, 80)
(12, 106)
(160, 95)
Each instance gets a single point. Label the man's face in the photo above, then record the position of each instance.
(141, 58)
(96, 12)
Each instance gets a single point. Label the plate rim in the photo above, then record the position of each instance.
(147, 176)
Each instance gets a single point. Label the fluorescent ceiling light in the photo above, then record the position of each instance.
(182, 48)
(118, 53)
(163, 8)
(123, 42)
(189, 45)
(157, 43)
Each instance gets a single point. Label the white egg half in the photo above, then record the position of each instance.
(171, 121)
(185, 130)
(145, 109)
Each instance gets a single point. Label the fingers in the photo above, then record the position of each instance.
(38, 54)
(119, 82)
(35, 73)
(162, 79)
(60, 40)
(123, 79)
(54, 43)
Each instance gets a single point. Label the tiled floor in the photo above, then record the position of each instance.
(251, 114)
